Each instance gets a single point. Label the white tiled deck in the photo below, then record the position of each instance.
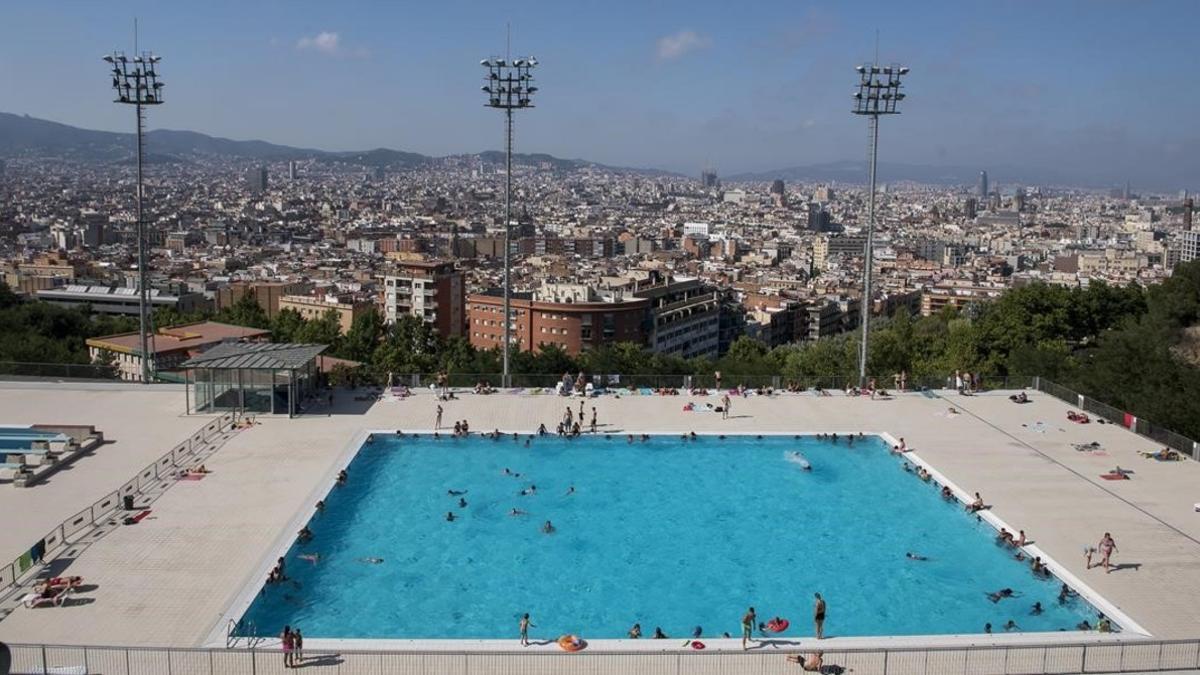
(138, 424)
(168, 580)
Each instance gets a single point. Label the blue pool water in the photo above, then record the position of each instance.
(665, 533)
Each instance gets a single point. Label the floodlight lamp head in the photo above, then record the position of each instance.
(903, 70)
(486, 63)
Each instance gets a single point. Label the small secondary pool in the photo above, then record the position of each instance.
(666, 533)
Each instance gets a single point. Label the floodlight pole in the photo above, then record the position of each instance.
(508, 138)
(139, 87)
(509, 87)
(868, 255)
(143, 293)
(874, 97)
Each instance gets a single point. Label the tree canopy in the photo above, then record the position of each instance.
(1084, 338)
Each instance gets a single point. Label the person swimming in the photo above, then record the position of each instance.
(548, 528)
(456, 493)
(462, 503)
(913, 556)
(518, 512)
(371, 561)
(450, 517)
(1036, 609)
(1001, 594)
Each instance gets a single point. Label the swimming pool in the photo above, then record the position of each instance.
(666, 532)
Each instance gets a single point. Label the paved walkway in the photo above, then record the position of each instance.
(140, 424)
(168, 580)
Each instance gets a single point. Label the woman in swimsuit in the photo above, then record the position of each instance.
(1107, 547)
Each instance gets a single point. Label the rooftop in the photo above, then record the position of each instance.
(186, 336)
(256, 356)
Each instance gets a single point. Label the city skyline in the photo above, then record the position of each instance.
(998, 86)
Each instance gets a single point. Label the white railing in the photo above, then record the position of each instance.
(1126, 656)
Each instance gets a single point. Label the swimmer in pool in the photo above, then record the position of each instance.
(371, 561)
(1001, 594)
(456, 493)
(462, 503)
(518, 512)
(449, 516)
(548, 527)
(1036, 609)
(913, 556)
(313, 558)
(571, 490)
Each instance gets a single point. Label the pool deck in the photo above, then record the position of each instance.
(169, 580)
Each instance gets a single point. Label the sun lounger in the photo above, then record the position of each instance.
(38, 600)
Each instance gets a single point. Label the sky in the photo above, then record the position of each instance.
(1094, 89)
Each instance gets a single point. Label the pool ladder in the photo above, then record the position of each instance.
(235, 629)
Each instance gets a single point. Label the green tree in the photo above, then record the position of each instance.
(287, 325)
(106, 364)
(363, 337)
(324, 330)
(245, 312)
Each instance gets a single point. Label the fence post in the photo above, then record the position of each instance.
(885, 662)
(45, 666)
(1081, 400)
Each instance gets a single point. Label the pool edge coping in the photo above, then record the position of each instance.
(248, 592)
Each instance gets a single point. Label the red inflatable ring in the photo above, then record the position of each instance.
(777, 625)
(696, 644)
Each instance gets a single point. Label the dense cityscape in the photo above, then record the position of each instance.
(681, 266)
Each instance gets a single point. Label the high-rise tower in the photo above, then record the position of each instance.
(983, 186)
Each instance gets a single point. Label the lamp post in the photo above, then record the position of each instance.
(878, 94)
(509, 87)
(136, 83)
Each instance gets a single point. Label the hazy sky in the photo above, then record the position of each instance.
(1088, 87)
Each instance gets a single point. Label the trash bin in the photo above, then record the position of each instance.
(128, 501)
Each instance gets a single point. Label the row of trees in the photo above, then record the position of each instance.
(1128, 346)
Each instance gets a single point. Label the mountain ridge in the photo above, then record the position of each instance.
(31, 136)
